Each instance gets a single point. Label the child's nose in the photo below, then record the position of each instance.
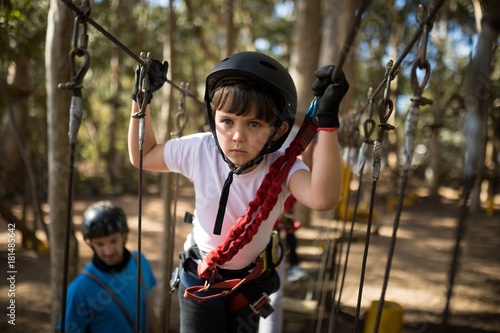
(239, 135)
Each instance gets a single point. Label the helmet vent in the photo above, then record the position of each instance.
(268, 65)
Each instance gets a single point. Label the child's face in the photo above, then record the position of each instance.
(241, 138)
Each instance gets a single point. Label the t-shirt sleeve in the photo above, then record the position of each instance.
(298, 165)
(181, 154)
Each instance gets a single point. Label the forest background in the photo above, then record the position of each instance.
(36, 38)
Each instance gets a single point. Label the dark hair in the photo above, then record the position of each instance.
(267, 77)
(238, 97)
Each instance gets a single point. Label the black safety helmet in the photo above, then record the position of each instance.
(103, 218)
(263, 70)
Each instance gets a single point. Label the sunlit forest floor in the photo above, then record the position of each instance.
(418, 279)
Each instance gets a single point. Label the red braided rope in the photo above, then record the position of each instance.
(244, 229)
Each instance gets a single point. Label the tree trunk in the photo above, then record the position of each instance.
(335, 27)
(337, 22)
(303, 63)
(305, 51)
(479, 93)
(115, 161)
(59, 23)
(433, 170)
(229, 22)
(13, 131)
(166, 180)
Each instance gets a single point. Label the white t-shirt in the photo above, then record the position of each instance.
(197, 157)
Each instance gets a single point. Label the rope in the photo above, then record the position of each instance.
(475, 130)
(460, 232)
(181, 120)
(142, 97)
(385, 110)
(410, 129)
(79, 50)
(385, 107)
(413, 40)
(349, 41)
(333, 319)
(85, 16)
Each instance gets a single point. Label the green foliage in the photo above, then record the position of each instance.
(199, 42)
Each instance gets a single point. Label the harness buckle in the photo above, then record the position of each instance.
(262, 306)
(213, 275)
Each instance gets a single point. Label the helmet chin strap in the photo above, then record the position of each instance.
(236, 171)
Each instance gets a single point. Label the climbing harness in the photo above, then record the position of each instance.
(245, 228)
(233, 285)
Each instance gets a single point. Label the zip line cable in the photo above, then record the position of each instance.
(348, 43)
(410, 129)
(79, 49)
(85, 15)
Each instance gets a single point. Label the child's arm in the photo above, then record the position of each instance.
(152, 151)
(320, 188)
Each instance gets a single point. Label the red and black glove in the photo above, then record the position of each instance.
(329, 96)
(157, 75)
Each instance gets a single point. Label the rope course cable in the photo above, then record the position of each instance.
(368, 127)
(85, 15)
(79, 49)
(181, 120)
(82, 13)
(349, 41)
(410, 129)
(475, 130)
(385, 107)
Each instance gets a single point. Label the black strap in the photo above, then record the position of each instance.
(222, 203)
(113, 296)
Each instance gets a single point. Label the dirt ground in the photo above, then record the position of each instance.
(418, 276)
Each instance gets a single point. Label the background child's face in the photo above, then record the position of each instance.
(109, 248)
(241, 138)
